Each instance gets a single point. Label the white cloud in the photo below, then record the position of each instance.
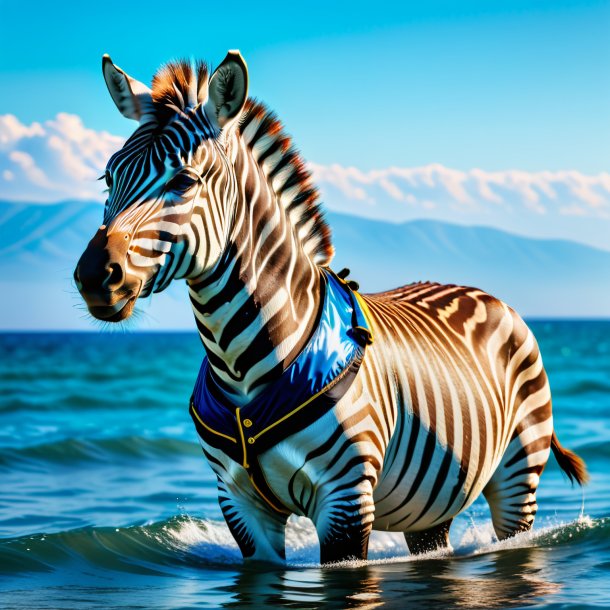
(54, 160)
(30, 170)
(12, 130)
(346, 179)
(395, 191)
(62, 159)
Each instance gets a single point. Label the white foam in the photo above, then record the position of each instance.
(303, 548)
(478, 540)
(212, 541)
(208, 539)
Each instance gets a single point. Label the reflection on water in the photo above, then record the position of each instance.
(499, 580)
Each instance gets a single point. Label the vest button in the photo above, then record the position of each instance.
(247, 423)
(251, 440)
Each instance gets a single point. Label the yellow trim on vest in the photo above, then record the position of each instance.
(194, 411)
(243, 442)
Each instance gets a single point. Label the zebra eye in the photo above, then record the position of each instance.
(108, 178)
(182, 182)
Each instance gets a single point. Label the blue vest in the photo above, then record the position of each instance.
(310, 386)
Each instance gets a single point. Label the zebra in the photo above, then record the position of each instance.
(441, 394)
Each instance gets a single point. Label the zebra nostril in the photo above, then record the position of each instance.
(114, 279)
(77, 281)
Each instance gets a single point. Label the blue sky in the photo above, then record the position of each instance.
(496, 85)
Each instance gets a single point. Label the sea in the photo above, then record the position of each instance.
(106, 500)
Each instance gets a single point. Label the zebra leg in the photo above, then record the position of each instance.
(511, 491)
(259, 531)
(432, 539)
(344, 525)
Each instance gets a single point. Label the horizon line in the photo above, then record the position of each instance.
(184, 331)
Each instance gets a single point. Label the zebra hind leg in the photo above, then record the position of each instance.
(511, 491)
(432, 539)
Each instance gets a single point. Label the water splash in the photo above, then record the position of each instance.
(481, 540)
(212, 541)
(185, 541)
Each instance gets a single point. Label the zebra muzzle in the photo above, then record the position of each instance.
(101, 277)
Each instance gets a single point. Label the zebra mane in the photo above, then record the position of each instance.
(289, 178)
(179, 85)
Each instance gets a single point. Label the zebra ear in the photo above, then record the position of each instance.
(227, 90)
(132, 98)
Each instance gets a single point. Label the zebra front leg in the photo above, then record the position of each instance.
(259, 532)
(344, 524)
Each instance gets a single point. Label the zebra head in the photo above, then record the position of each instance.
(171, 187)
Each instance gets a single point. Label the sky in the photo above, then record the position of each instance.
(477, 112)
(474, 112)
(473, 84)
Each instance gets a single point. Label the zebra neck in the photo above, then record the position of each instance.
(257, 309)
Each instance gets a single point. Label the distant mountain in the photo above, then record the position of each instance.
(40, 244)
(538, 277)
(39, 247)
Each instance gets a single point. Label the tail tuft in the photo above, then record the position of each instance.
(569, 462)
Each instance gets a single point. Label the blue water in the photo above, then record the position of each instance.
(106, 499)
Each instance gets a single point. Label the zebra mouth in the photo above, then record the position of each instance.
(114, 313)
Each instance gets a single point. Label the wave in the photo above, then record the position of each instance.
(159, 548)
(144, 398)
(585, 386)
(595, 451)
(72, 451)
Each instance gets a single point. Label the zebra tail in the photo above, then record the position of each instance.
(569, 462)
